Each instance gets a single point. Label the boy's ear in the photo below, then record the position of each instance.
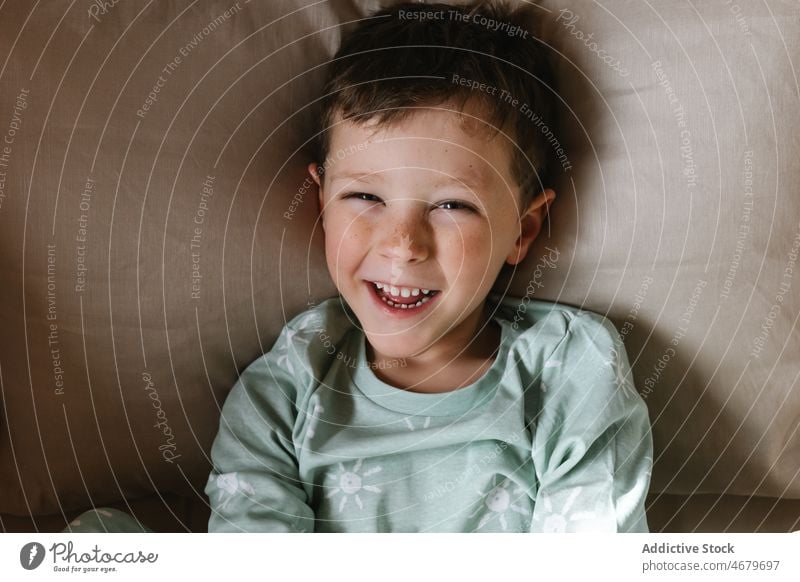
(313, 170)
(530, 225)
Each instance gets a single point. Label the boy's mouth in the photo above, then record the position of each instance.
(401, 297)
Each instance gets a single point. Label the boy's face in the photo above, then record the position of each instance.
(421, 205)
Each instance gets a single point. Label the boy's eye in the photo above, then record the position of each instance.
(455, 205)
(362, 196)
(446, 205)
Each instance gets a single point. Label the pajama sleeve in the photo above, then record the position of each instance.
(254, 485)
(592, 446)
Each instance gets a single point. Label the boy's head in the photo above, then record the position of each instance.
(431, 166)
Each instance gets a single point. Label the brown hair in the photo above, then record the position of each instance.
(408, 55)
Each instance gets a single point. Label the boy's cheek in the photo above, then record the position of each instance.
(348, 227)
(473, 246)
(343, 245)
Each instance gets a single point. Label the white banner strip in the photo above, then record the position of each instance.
(400, 557)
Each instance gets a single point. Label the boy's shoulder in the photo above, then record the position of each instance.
(575, 347)
(320, 329)
(328, 315)
(302, 351)
(538, 320)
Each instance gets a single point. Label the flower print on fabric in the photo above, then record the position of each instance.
(350, 484)
(497, 502)
(229, 485)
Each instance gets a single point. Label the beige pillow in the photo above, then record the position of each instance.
(680, 220)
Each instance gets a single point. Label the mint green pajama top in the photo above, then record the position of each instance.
(554, 437)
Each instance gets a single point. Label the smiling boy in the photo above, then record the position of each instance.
(432, 210)
(428, 187)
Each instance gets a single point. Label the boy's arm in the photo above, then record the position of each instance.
(592, 446)
(254, 485)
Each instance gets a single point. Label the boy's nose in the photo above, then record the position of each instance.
(406, 243)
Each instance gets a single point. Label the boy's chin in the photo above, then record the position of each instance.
(398, 348)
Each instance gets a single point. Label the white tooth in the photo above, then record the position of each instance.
(415, 292)
(424, 299)
(394, 291)
(426, 291)
(379, 285)
(405, 292)
(403, 306)
(418, 303)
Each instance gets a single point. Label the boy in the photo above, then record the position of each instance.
(418, 400)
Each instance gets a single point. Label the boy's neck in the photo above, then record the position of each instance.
(457, 360)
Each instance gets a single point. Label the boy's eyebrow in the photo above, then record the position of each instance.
(362, 176)
(475, 183)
